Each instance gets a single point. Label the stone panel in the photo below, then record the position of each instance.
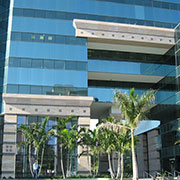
(9, 148)
(47, 110)
(8, 163)
(9, 138)
(10, 128)
(10, 119)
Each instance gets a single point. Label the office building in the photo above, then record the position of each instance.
(66, 57)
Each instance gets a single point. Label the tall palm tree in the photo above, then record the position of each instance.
(36, 136)
(61, 125)
(120, 139)
(89, 138)
(70, 142)
(107, 145)
(134, 109)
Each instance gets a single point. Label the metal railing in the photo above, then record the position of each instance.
(176, 173)
(169, 174)
(147, 175)
(159, 176)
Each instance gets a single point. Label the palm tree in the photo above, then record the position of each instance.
(107, 145)
(70, 139)
(61, 125)
(134, 109)
(36, 137)
(89, 138)
(120, 139)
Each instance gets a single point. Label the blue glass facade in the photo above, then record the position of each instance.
(43, 56)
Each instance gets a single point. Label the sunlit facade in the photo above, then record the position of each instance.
(67, 57)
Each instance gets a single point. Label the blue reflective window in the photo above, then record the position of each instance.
(14, 62)
(60, 39)
(26, 36)
(40, 13)
(81, 66)
(26, 63)
(46, 90)
(51, 14)
(50, 38)
(21, 120)
(59, 64)
(37, 63)
(157, 4)
(40, 38)
(48, 64)
(28, 13)
(165, 5)
(16, 36)
(18, 12)
(36, 90)
(32, 119)
(12, 89)
(71, 16)
(24, 89)
(60, 15)
(148, 3)
(70, 65)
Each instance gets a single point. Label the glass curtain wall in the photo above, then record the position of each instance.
(4, 14)
(168, 111)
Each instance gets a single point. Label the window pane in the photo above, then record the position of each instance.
(47, 90)
(48, 64)
(60, 15)
(40, 38)
(16, 36)
(50, 14)
(28, 12)
(21, 120)
(12, 88)
(50, 38)
(39, 13)
(26, 63)
(18, 12)
(82, 66)
(14, 62)
(70, 65)
(37, 63)
(26, 36)
(36, 90)
(59, 64)
(32, 119)
(24, 89)
(60, 39)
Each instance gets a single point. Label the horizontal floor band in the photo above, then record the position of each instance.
(6, 142)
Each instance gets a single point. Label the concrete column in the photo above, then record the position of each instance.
(83, 167)
(9, 146)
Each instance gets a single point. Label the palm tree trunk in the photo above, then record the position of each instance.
(134, 161)
(118, 165)
(113, 163)
(88, 160)
(94, 165)
(122, 166)
(42, 155)
(97, 163)
(61, 160)
(70, 164)
(30, 162)
(110, 167)
(67, 171)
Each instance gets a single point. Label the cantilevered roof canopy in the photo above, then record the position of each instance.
(125, 37)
